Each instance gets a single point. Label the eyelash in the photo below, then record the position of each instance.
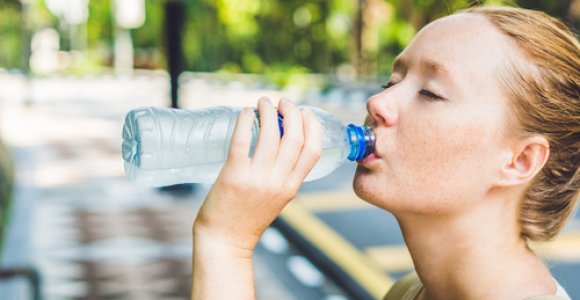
(425, 93)
(430, 95)
(388, 85)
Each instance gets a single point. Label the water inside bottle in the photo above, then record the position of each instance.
(207, 173)
(330, 159)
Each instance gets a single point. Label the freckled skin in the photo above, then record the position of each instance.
(440, 157)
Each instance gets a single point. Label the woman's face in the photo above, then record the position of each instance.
(441, 123)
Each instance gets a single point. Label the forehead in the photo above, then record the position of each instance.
(467, 45)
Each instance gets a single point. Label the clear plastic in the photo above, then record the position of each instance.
(163, 146)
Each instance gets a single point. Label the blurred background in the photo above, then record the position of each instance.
(72, 227)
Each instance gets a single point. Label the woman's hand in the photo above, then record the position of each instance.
(251, 191)
(248, 194)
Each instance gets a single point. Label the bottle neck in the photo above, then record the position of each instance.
(362, 141)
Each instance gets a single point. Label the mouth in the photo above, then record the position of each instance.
(373, 156)
(373, 128)
(370, 158)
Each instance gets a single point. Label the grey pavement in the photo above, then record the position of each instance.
(93, 235)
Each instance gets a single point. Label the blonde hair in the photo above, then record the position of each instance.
(544, 88)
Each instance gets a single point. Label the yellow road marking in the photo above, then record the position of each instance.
(341, 252)
(332, 201)
(395, 258)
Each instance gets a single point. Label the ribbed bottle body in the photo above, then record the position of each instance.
(164, 146)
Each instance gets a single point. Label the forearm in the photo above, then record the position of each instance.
(221, 271)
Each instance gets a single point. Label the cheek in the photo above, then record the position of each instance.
(441, 162)
(431, 166)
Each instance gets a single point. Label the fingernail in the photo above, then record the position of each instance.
(265, 100)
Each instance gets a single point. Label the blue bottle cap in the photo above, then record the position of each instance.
(362, 141)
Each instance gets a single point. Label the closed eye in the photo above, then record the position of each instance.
(388, 85)
(430, 95)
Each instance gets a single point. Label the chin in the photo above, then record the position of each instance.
(368, 188)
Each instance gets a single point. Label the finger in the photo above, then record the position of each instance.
(269, 137)
(242, 137)
(293, 138)
(312, 148)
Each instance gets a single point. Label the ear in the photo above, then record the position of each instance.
(528, 157)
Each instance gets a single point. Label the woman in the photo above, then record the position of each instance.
(478, 149)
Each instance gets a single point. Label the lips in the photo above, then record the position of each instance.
(368, 159)
(376, 144)
(372, 124)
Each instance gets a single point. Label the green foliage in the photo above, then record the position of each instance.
(253, 36)
(282, 75)
(6, 188)
(99, 35)
(10, 42)
(270, 37)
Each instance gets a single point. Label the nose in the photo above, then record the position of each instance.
(383, 109)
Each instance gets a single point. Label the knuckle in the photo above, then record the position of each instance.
(313, 151)
(234, 146)
(284, 192)
(280, 189)
(292, 187)
(296, 139)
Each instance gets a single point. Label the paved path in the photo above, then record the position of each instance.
(94, 236)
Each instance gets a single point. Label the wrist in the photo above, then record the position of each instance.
(220, 268)
(209, 242)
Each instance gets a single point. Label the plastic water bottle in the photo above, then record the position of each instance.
(163, 146)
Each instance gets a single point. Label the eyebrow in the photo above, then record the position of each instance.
(401, 64)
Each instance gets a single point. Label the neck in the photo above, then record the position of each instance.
(474, 254)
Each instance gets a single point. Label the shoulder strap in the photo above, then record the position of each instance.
(546, 297)
(403, 286)
(410, 284)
